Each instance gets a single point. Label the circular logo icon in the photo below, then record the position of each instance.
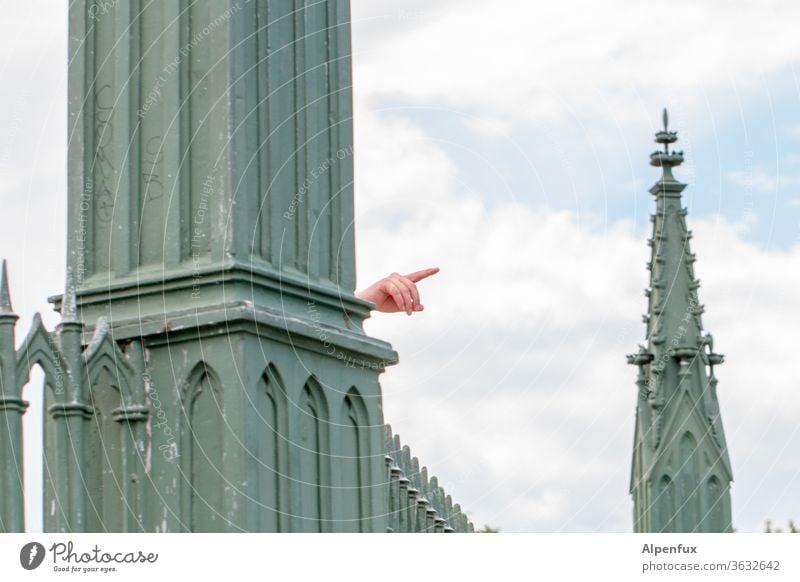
(31, 555)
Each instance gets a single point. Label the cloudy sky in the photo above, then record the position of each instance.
(507, 143)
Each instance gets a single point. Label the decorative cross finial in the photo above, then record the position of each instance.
(666, 159)
(666, 132)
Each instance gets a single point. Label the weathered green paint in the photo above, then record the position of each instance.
(417, 503)
(84, 455)
(114, 461)
(12, 407)
(210, 372)
(211, 154)
(681, 474)
(210, 219)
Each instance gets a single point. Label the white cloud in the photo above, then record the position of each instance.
(771, 182)
(518, 60)
(756, 179)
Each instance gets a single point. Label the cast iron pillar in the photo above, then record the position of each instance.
(211, 219)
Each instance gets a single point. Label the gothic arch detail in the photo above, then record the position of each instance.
(689, 483)
(203, 423)
(271, 451)
(106, 504)
(715, 509)
(665, 504)
(354, 462)
(313, 474)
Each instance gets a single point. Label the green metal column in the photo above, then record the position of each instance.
(71, 415)
(12, 407)
(210, 218)
(681, 472)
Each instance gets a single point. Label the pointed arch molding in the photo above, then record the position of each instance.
(684, 417)
(39, 347)
(76, 375)
(270, 452)
(715, 504)
(314, 476)
(355, 475)
(201, 450)
(72, 378)
(665, 504)
(354, 403)
(125, 368)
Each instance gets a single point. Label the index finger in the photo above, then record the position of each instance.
(424, 273)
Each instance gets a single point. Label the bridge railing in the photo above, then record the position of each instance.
(69, 367)
(417, 503)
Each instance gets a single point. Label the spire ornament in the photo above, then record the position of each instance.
(666, 160)
(676, 472)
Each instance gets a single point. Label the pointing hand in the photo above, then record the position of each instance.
(397, 292)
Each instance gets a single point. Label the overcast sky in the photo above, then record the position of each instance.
(507, 143)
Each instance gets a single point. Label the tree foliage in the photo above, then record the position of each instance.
(791, 529)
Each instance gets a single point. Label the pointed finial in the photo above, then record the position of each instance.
(69, 303)
(5, 296)
(387, 433)
(666, 159)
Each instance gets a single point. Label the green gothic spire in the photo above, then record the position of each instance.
(681, 474)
